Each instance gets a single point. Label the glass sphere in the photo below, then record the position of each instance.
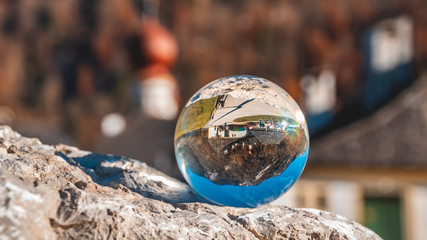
(241, 141)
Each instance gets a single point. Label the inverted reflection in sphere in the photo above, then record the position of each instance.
(241, 141)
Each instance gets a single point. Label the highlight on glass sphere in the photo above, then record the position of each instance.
(241, 141)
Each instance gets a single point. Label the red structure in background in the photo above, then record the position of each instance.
(159, 45)
(158, 87)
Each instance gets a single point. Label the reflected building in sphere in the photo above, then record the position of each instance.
(239, 141)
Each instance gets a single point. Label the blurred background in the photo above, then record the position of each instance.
(112, 75)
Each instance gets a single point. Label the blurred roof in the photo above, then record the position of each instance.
(394, 136)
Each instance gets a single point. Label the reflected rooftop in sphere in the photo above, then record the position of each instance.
(237, 134)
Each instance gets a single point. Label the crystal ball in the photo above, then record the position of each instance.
(241, 141)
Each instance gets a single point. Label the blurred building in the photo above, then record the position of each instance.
(341, 60)
(375, 170)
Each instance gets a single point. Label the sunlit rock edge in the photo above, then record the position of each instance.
(61, 192)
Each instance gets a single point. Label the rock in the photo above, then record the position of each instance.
(61, 192)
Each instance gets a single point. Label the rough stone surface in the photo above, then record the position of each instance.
(61, 192)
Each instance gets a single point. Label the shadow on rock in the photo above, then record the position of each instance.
(115, 171)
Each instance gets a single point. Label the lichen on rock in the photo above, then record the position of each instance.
(61, 192)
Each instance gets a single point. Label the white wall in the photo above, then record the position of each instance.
(416, 212)
(344, 198)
